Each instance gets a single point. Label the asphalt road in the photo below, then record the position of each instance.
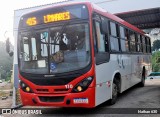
(135, 97)
(145, 98)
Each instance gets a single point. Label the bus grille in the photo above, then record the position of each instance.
(42, 90)
(51, 99)
(60, 90)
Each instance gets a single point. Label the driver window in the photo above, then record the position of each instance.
(100, 44)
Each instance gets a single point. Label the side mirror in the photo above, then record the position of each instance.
(8, 48)
(104, 26)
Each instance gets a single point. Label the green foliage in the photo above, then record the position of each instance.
(156, 45)
(6, 62)
(8, 78)
(156, 62)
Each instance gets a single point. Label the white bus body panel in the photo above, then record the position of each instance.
(129, 66)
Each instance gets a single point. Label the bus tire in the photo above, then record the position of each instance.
(142, 83)
(114, 94)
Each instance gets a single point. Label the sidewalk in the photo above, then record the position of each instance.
(7, 103)
(5, 89)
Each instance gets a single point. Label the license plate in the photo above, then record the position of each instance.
(80, 100)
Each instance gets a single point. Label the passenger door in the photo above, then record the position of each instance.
(101, 50)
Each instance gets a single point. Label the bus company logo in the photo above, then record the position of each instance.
(6, 111)
(49, 75)
(120, 61)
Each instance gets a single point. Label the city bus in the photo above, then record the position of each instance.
(78, 55)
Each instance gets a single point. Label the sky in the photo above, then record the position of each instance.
(7, 8)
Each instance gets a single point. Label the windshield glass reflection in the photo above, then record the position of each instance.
(56, 50)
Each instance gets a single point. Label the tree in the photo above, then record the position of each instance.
(156, 45)
(156, 68)
(156, 62)
(6, 62)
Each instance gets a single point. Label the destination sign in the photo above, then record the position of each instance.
(57, 17)
(52, 15)
(50, 18)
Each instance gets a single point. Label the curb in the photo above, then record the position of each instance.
(17, 106)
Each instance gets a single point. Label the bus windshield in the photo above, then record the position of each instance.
(53, 50)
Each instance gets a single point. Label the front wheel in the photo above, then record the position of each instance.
(114, 94)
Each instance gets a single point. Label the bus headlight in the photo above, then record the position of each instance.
(25, 87)
(83, 85)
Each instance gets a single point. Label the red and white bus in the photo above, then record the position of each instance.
(79, 55)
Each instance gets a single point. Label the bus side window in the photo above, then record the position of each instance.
(123, 40)
(141, 43)
(100, 38)
(114, 43)
(132, 41)
(100, 44)
(149, 45)
(144, 44)
(127, 40)
(139, 46)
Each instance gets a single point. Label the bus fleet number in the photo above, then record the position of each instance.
(69, 86)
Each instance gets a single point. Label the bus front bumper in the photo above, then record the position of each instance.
(84, 99)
